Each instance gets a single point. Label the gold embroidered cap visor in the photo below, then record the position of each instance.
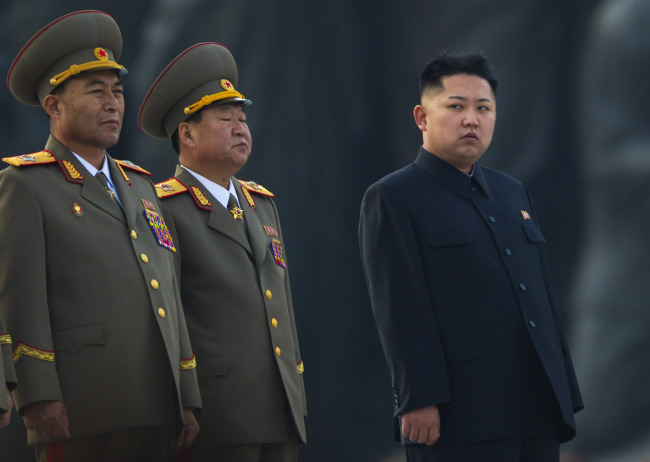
(78, 42)
(203, 75)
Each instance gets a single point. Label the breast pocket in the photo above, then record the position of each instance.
(533, 233)
(448, 236)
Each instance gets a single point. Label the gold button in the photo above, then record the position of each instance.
(134, 235)
(274, 323)
(161, 313)
(154, 284)
(144, 258)
(278, 352)
(269, 295)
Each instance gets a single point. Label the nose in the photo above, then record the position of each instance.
(471, 120)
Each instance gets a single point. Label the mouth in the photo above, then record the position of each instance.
(112, 123)
(471, 136)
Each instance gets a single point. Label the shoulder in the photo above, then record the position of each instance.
(252, 190)
(28, 160)
(130, 166)
(170, 187)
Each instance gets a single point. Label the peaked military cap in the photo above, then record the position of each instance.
(203, 75)
(77, 42)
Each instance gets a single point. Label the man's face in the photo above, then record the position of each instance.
(457, 123)
(222, 137)
(91, 108)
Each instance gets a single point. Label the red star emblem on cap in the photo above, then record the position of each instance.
(226, 85)
(101, 54)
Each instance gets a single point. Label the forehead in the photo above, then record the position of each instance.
(103, 77)
(226, 108)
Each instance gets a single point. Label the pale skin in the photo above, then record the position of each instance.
(86, 116)
(219, 145)
(457, 124)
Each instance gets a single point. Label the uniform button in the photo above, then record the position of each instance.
(154, 284)
(474, 188)
(532, 324)
(134, 235)
(278, 352)
(522, 286)
(144, 258)
(492, 219)
(269, 295)
(161, 313)
(508, 252)
(274, 323)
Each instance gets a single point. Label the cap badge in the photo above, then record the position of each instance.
(101, 54)
(226, 85)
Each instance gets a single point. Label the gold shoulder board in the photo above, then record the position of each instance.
(36, 158)
(256, 188)
(170, 188)
(131, 166)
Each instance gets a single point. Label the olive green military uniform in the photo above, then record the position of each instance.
(90, 296)
(88, 290)
(237, 301)
(233, 276)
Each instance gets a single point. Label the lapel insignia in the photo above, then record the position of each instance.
(300, 367)
(77, 210)
(278, 253)
(119, 167)
(72, 171)
(159, 228)
(237, 213)
(270, 231)
(525, 214)
(248, 197)
(36, 158)
(200, 197)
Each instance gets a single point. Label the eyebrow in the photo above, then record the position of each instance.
(104, 83)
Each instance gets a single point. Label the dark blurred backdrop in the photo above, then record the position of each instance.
(333, 86)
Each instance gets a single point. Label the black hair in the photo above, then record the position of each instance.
(196, 118)
(472, 63)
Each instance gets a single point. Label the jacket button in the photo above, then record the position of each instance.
(154, 284)
(278, 352)
(508, 252)
(532, 324)
(161, 313)
(492, 219)
(274, 323)
(522, 286)
(134, 235)
(144, 258)
(269, 295)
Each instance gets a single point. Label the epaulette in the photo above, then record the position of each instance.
(170, 188)
(248, 187)
(131, 166)
(36, 158)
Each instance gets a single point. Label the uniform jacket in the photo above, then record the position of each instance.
(90, 297)
(460, 290)
(7, 372)
(237, 301)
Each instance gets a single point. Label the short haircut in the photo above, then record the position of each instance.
(444, 65)
(196, 118)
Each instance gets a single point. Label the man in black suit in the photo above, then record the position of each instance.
(456, 269)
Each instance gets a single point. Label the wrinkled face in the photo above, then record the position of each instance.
(222, 137)
(457, 123)
(90, 110)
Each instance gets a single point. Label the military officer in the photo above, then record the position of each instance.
(232, 264)
(87, 283)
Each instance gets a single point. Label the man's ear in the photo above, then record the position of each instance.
(185, 134)
(420, 116)
(52, 106)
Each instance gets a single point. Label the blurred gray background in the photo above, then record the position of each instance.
(333, 85)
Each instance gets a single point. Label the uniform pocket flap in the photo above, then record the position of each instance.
(533, 233)
(448, 235)
(74, 339)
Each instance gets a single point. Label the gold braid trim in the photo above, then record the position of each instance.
(5, 339)
(209, 99)
(301, 367)
(24, 349)
(187, 364)
(78, 68)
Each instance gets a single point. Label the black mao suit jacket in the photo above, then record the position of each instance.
(459, 285)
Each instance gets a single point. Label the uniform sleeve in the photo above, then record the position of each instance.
(190, 395)
(400, 301)
(23, 291)
(7, 371)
